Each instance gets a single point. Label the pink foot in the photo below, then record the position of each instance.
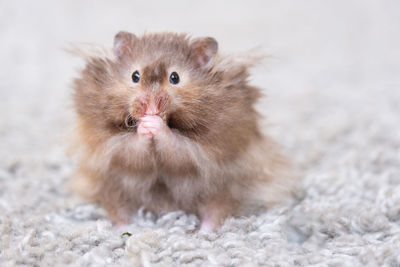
(120, 225)
(207, 225)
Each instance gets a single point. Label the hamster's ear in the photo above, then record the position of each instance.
(203, 51)
(123, 42)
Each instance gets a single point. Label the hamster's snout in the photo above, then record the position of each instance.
(154, 104)
(151, 107)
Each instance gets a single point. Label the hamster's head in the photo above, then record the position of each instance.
(166, 74)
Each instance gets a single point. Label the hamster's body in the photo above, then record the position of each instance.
(169, 124)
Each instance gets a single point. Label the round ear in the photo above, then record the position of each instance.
(203, 51)
(123, 42)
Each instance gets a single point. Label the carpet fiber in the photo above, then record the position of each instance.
(333, 101)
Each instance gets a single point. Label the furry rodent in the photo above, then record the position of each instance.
(168, 123)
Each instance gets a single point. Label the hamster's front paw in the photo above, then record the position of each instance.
(151, 125)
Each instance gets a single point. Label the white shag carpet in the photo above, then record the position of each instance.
(333, 86)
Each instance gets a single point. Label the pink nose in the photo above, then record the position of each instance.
(151, 108)
(153, 104)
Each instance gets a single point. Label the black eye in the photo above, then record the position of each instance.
(174, 78)
(136, 77)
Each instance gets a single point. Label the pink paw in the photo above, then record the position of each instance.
(150, 125)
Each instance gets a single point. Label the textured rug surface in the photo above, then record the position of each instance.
(333, 86)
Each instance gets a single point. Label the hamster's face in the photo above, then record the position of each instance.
(160, 74)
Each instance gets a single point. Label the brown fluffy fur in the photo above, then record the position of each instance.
(216, 161)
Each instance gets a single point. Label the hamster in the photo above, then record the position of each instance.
(166, 122)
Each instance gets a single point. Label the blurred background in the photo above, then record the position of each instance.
(313, 46)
